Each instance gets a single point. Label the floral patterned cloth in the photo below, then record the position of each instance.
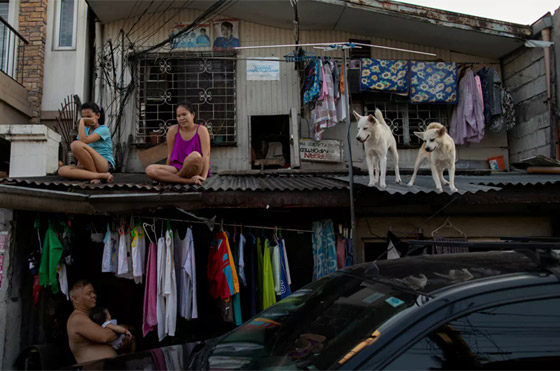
(384, 75)
(433, 82)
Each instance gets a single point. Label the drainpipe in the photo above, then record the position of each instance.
(98, 51)
(549, 95)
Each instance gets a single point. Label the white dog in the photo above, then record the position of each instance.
(378, 139)
(439, 149)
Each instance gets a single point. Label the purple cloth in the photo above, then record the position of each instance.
(467, 123)
(182, 148)
(150, 292)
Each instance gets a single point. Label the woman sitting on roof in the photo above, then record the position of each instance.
(188, 151)
(93, 148)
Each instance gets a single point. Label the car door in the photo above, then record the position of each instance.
(510, 329)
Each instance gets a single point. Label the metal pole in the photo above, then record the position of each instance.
(349, 151)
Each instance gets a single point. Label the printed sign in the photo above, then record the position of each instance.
(324, 150)
(261, 70)
(197, 38)
(226, 33)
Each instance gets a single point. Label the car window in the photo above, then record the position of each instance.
(523, 335)
(324, 324)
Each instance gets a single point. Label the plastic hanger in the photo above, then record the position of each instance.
(146, 231)
(448, 224)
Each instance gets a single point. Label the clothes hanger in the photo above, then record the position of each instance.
(145, 227)
(448, 224)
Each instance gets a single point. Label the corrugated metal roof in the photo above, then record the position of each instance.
(125, 182)
(136, 182)
(464, 183)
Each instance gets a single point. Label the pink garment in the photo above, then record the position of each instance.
(467, 122)
(182, 148)
(340, 252)
(150, 292)
(324, 87)
(479, 88)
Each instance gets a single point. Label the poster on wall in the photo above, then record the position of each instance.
(323, 150)
(226, 34)
(266, 69)
(199, 37)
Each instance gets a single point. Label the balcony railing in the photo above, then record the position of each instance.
(12, 46)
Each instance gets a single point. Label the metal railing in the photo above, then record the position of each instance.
(12, 47)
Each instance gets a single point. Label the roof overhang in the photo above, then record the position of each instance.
(376, 18)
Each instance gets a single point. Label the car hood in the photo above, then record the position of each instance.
(173, 357)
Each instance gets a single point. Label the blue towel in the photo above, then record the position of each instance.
(433, 82)
(384, 75)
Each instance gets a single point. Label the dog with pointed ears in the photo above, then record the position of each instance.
(439, 149)
(378, 140)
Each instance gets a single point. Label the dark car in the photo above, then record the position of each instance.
(481, 310)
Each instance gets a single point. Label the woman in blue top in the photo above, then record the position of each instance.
(93, 148)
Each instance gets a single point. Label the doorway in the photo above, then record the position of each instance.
(270, 142)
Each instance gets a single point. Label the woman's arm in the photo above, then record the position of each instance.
(82, 137)
(205, 147)
(171, 133)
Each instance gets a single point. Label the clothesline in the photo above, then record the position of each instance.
(226, 224)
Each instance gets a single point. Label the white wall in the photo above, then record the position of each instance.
(65, 70)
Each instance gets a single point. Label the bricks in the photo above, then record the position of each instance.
(33, 26)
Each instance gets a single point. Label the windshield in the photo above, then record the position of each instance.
(315, 327)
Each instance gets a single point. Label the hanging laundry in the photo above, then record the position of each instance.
(285, 290)
(276, 266)
(161, 299)
(236, 300)
(433, 82)
(467, 122)
(269, 297)
(170, 286)
(63, 279)
(384, 75)
(494, 92)
(324, 115)
(349, 247)
(483, 76)
(286, 263)
(150, 318)
(340, 252)
(36, 289)
(186, 271)
(109, 258)
(253, 280)
(219, 269)
(241, 259)
(324, 249)
(52, 252)
(138, 247)
(124, 261)
(260, 286)
(313, 81)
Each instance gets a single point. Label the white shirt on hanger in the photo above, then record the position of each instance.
(160, 303)
(170, 286)
(138, 254)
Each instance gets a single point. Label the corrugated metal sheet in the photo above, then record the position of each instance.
(288, 183)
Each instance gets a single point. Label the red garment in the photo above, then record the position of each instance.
(340, 252)
(218, 268)
(36, 289)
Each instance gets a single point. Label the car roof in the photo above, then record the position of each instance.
(429, 273)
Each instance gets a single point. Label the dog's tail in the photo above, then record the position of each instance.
(379, 117)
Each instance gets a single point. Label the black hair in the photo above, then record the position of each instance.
(96, 108)
(98, 315)
(228, 25)
(187, 105)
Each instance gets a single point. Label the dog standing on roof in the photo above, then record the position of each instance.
(439, 149)
(378, 139)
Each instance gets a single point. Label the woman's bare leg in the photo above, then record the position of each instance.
(166, 174)
(192, 165)
(92, 167)
(75, 172)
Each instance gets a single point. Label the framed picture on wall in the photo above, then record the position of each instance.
(199, 37)
(226, 34)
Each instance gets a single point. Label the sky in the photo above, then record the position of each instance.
(517, 11)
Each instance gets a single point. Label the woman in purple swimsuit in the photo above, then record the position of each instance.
(188, 151)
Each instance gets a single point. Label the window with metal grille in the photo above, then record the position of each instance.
(404, 118)
(205, 79)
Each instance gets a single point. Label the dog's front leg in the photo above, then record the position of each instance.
(451, 171)
(382, 170)
(376, 170)
(443, 181)
(370, 164)
(419, 160)
(435, 175)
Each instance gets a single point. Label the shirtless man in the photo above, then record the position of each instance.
(88, 341)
